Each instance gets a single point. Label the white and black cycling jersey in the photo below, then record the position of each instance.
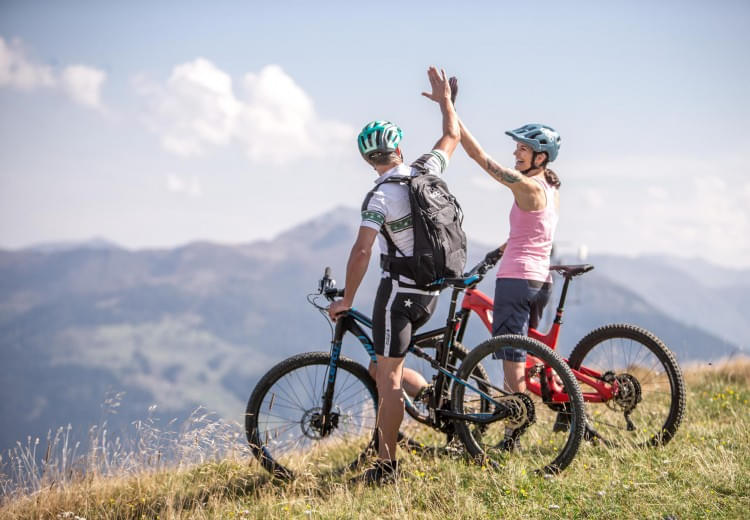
(388, 204)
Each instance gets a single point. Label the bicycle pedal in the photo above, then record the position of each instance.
(424, 394)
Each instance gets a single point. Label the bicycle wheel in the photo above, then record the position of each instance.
(528, 429)
(650, 399)
(417, 430)
(283, 422)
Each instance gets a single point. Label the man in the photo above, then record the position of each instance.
(400, 306)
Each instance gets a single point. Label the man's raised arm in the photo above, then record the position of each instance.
(441, 94)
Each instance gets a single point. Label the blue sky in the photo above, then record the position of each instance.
(154, 124)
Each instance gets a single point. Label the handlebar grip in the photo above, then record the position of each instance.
(493, 256)
(327, 273)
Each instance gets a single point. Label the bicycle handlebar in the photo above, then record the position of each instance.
(487, 263)
(327, 285)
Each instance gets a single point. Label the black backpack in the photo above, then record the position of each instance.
(439, 241)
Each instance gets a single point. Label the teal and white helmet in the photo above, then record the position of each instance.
(379, 136)
(541, 138)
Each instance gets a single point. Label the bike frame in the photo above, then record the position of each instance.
(476, 301)
(355, 323)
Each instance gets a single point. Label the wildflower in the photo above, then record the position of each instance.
(601, 493)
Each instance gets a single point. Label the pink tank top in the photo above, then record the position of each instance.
(530, 243)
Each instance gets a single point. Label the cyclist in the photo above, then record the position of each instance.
(400, 306)
(524, 284)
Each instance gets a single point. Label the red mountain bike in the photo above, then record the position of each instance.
(630, 380)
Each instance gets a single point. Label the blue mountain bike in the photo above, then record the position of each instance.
(317, 411)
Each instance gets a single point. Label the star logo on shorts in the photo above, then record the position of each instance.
(407, 303)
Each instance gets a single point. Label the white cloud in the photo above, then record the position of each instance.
(80, 82)
(273, 121)
(83, 84)
(196, 108)
(190, 187)
(17, 71)
(705, 211)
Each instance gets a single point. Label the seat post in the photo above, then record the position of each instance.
(561, 303)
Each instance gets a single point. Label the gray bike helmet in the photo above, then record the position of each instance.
(541, 138)
(379, 136)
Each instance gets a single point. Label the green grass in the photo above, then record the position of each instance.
(702, 473)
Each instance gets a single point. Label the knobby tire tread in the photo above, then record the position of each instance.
(662, 352)
(275, 374)
(549, 357)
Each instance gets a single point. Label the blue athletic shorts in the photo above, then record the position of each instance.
(518, 305)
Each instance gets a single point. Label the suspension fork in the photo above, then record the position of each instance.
(342, 325)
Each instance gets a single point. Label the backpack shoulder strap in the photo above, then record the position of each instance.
(395, 178)
(392, 247)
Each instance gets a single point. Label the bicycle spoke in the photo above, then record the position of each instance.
(286, 419)
(648, 405)
(526, 432)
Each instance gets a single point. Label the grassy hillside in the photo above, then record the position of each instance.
(702, 473)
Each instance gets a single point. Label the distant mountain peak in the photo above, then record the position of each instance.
(326, 228)
(95, 243)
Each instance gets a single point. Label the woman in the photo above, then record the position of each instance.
(523, 283)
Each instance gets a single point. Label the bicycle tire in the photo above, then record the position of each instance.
(422, 436)
(659, 413)
(286, 441)
(540, 446)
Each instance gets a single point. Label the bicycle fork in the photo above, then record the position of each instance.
(326, 420)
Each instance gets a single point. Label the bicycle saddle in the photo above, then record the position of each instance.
(569, 271)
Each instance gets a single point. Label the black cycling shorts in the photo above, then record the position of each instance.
(399, 311)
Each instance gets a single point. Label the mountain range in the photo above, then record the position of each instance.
(197, 325)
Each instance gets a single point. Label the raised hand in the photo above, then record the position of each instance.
(441, 90)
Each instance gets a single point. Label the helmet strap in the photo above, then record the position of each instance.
(533, 166)
(533, 160)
